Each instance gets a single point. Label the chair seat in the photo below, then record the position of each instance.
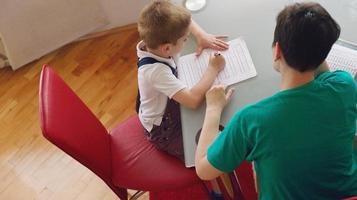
(351, 198)
(145, 168)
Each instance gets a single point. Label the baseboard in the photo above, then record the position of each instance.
(108, 32)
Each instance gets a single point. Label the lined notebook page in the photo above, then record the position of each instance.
(239, 65)
(343, 58)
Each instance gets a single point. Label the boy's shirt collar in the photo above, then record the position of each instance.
(142, 54)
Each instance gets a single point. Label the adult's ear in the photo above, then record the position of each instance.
(276, 52)
(277, 56)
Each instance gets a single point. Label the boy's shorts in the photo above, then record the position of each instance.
(168, 136)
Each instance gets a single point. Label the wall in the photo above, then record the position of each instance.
(52, 30)
(122, 12)
(3, 59)
(33, 28)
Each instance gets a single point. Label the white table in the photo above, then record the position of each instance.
(255, 21)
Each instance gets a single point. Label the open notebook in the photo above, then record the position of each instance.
(239, 65)
(343, 56)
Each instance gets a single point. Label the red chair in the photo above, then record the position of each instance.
(122, 159)
(351, 198)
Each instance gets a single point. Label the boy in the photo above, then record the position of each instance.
(164, 28)
(301, 138)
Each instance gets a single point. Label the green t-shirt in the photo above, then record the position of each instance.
(301, 141)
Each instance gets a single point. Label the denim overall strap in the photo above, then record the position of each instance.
(149, 60)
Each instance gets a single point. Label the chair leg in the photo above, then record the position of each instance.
(137, 195)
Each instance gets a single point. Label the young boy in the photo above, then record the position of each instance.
(301, 138)
(164, 28)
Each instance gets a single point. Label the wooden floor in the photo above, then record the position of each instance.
(102, 71)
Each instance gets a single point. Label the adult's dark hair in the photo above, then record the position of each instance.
(305, 33)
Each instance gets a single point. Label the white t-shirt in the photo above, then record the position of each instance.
(156, 84)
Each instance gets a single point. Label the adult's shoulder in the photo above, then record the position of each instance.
(338, 76)
(340, 81)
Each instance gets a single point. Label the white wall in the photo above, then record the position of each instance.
(33, 28)
(122, 12)
(36, 28)
(3, 59)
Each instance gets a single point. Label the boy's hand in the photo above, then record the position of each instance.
(206, 40)
(217, 97)
(217, 62)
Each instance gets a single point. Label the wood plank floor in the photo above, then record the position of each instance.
(102, 72)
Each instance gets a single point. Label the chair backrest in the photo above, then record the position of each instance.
(70, 125)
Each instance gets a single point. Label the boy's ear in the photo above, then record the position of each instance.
(277, 51)
(165, 48)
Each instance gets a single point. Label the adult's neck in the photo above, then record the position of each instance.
(292, 78)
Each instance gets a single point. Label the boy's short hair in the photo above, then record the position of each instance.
(163, 22)
(305, 33)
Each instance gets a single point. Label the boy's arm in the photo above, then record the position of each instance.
(322, 68)
(205, 40)
(193, 97)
